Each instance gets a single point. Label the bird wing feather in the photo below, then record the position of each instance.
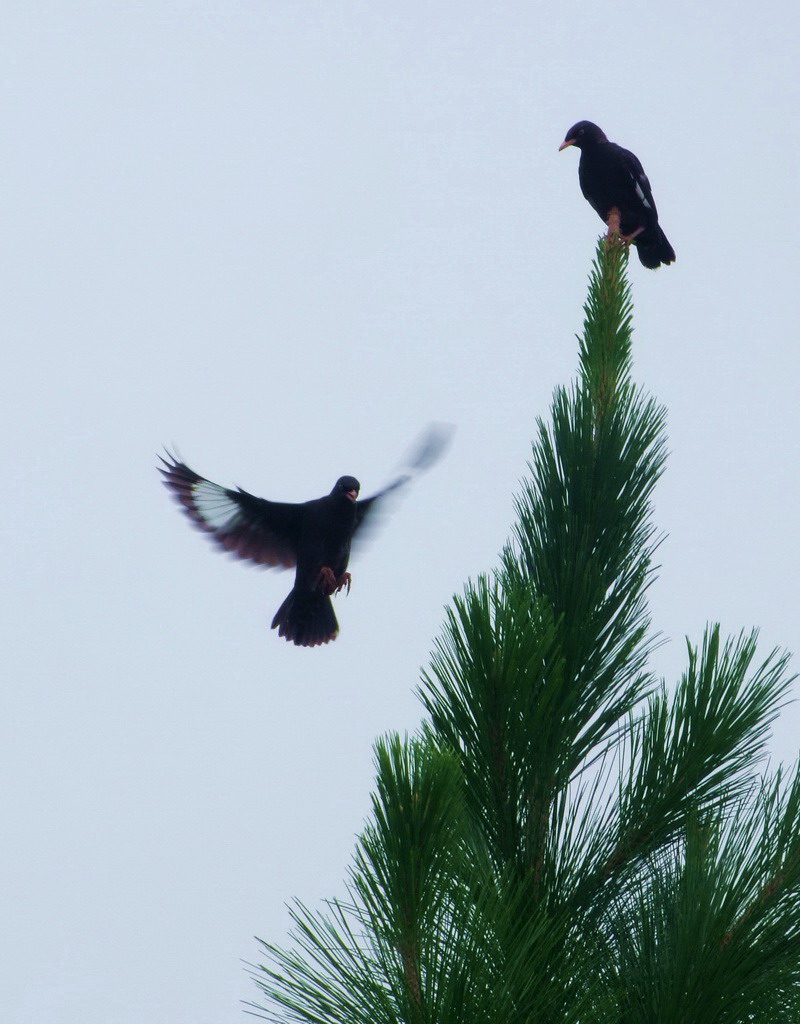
(428, 449)
(367, 506)
(261, 531)
(641, 183)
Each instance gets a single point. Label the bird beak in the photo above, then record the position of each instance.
(565, 143)
(352, 495)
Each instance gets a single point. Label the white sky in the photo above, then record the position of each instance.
(285, 236)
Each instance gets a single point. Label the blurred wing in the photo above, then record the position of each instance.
(366, 509)
(265, 532)
(430, 446)
(641, 183)
(427, 450)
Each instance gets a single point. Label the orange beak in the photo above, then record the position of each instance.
(565, 143)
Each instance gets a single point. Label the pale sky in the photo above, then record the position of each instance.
(284, 237)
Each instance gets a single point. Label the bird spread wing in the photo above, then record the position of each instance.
(367, 506)
(427, 450)
(265, 532)
(641, 184)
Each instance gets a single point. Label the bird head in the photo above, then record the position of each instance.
(582, 134)
(347, 485)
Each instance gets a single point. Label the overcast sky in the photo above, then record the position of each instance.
(284, 237)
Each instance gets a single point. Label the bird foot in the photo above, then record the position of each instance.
(329, 585)
(613, 222)
(612, 242)
(614, 231)
(326, 581)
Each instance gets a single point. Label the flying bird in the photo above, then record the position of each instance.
(312, 537)
(614, 183)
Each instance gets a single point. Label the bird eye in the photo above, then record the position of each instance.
(581, 131)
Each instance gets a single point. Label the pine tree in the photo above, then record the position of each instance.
(567, 839)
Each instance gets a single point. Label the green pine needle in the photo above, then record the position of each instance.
(567, 841)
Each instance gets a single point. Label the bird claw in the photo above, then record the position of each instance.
(614, 231)
(326, 581)
(613, 222)
(329, 585)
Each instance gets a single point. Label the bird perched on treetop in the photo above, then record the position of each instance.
(312, 537)
(613, 181)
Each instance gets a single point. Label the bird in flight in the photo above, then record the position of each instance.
(311, 537)
(613, 181)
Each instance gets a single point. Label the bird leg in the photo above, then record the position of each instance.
(613, 222)
(326, 581)
(614, 231)
(329, 585)
(613, 236)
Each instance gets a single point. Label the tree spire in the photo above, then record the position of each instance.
(563, 823)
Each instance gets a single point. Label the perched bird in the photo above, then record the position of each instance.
(613, 181)
(312, 537)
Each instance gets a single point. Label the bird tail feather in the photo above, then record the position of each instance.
(654, 249)
(306, 618)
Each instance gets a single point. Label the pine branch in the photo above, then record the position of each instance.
(700, 935)
(539, 669)
(564, 842)
(605, 347)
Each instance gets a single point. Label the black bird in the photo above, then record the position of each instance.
(613, 181)
(312, 537)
